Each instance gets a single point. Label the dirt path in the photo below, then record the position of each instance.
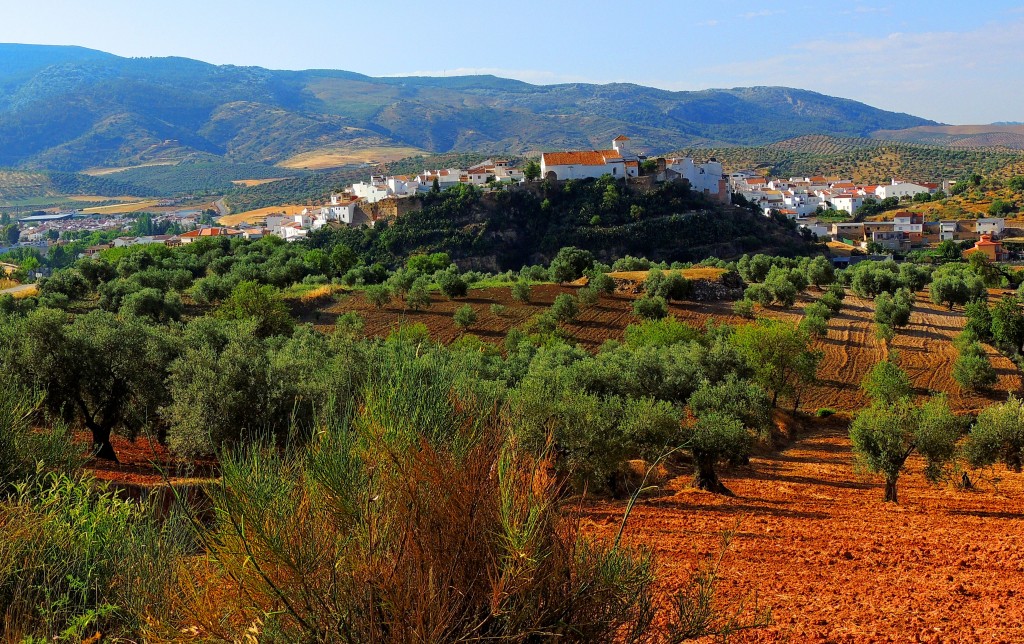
(835, 563)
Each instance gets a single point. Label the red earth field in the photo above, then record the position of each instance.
(813, 539)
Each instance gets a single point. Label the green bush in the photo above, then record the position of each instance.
(564, 308)
(650, 307)
(744, 308)
(464, 317)
(588, 296)
(521, 292)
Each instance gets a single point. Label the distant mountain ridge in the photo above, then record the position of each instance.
(71, 108)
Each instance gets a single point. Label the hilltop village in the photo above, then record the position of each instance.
(854, 218)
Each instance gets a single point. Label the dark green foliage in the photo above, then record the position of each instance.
(451, 283)
(464, 316)
(780, 356)
(588, 296)
(417, 296)
(972, 370)
(262, 305)
(569, 264)
(521, 291)
(564, 308)
(379, 295)
(1008, 324)
(886, 383)
(104, 372)
(979, 320)
(956, 284)
(650, 307)
(744, 308)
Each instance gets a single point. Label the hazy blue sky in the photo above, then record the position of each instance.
(956, 62)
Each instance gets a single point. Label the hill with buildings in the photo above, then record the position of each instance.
(71, 109)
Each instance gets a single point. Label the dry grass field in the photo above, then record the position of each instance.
(258, 215)
(248, 183)
(336, 157)
(122, 208)
(102, 172)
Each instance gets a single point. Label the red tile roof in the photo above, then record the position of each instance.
(590, 157)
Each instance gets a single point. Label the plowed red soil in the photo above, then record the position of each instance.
(924, 348)
(816, 543)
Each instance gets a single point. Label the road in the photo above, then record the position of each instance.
(222, 208)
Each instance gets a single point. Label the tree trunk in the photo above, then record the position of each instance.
(101, 445)
(1013, 460)
(704, 476)
(890, 490)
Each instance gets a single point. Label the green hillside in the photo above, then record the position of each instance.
(71, 109)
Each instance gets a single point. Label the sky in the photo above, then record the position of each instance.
(953, 62)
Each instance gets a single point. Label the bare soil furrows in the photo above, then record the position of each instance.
(815, 542)
(924, 348)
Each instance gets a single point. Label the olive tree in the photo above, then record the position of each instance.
(98, 370)
(885, 435)
(998, 436)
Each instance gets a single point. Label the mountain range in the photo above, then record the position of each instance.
(71, 109)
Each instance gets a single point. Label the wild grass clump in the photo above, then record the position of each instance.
(76, 560)
(412, 517)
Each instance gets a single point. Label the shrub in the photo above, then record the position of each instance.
(461, 500)
(972, 370)
(451, 283)
(499, 310)
(521, 292)
(825, 412)
(885, 435)
(600, 281)
(814, 325)
(417, 297)
(564, 308)
(886, 383)
(570, 263)
(744, 308)
(661, 332)
(76, 560)
(261, 304)
(378, 295)
(464, 317)
(588, 296)
(650, 307)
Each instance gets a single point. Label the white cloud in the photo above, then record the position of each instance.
(764, 13)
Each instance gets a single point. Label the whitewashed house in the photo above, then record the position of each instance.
(990, 226)
(847, 202)
(900, 190)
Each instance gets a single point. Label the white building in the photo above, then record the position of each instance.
(908, 223)
(847, 202)
(342, 209)
(900, 190)
(618, 162)
(706, 178)
(990, 226)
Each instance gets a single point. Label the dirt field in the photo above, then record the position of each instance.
(923, 348)
(816, 543)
